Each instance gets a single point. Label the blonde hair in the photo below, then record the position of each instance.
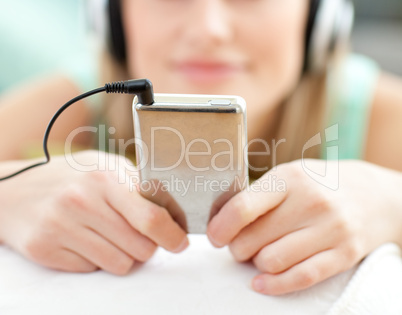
(302, 116)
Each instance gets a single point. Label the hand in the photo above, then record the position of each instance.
(307, 232)
(78, 221)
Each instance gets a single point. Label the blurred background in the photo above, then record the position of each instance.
(378, 32)
(40, 36)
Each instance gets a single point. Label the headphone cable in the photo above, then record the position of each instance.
(142, 88)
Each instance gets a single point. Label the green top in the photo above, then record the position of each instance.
(350, 95)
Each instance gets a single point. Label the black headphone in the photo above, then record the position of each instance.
(328, 29)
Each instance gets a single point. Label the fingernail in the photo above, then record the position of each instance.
(182, 246)
(258, 285)
(213, 242)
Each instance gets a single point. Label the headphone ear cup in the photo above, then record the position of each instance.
(97, 24)
(330, 31)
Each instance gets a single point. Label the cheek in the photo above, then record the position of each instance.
(146, 62)
(281, 59)
(278, 60)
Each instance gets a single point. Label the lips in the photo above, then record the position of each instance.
(203, 71)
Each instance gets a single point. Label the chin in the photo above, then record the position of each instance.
(181, 85)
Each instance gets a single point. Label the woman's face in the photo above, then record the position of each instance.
(251, 48)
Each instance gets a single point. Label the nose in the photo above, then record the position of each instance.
(209, 22)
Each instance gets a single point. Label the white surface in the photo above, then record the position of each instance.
(202, 280)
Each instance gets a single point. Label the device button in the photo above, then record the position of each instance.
(220, 102)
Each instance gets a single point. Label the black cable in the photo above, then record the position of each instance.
(142, 88)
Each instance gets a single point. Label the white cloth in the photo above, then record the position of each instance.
(202, 280)
(376, 287)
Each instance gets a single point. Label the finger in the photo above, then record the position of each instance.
(100, 251)
(108, 223)
(302, 276)
(148, 218)
(266, 230)
(66, 260)
(243, 209)
(292, 249)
